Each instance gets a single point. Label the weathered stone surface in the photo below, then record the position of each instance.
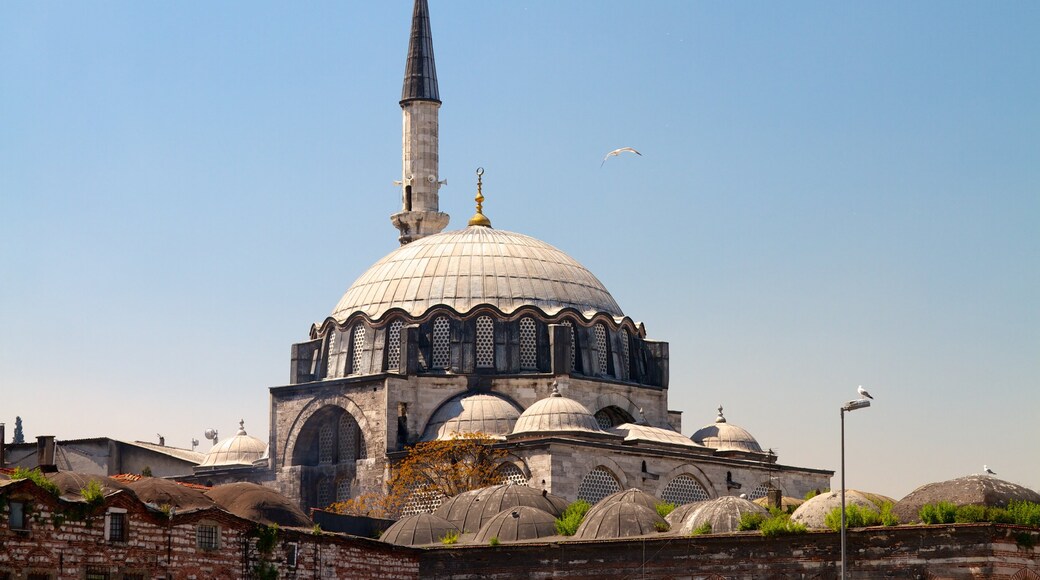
(970, 490)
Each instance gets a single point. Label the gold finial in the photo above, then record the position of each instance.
(479, 219)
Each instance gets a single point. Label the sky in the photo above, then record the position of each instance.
(829, 195)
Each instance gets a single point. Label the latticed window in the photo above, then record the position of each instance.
(351, 442)
(441, 355)
(510, 473)
(623, 337)
(324, 492)
(343, 489)
(334, 358)
(604, 419)
(528, 345)
(684, 489)
(393, 346)
(422, 502)
(601, 348)
(485, 342)
(574, 342)
(207, 537)
(761, 491)
(92, 574)
(116, 527)
(358, 344)
(326, 444)
(598, 484)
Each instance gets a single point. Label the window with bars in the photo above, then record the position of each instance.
(625, 370)
(601, 348)
(97, 574)
(343, 489)
(441, 347)
(326, 444)
(357, 341)
(485, 342)
(207, 537)
(574, 341)
(351, 441)
(116, 529)
(510, 473)
(760, 491)
(422, 502)
(684, 489)
(528, 344)
(333, 369)
(393, 346)
(16, 519)
(324, 492)
(598, 484)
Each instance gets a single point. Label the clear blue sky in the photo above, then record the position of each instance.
(830, 195)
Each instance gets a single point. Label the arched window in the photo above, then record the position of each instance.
(326, 444)
(684, 489)
(574, 341)
(598, 484)
(351, 442)
(485, 343)
(393, 346)
(357, 340)
(623, 337)
(323, 495)
(528, 345)
(612, 416)
(760, 491)
(601, 349)
(510, 473)
(441, 355)
(335, 359)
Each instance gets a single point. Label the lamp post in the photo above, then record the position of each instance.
(850, 406)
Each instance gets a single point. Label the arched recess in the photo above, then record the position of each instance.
(512, 473)
(621, 402)
(318, 406)
(454, 399)
(693, 471)
(598, 483)
(331, 435)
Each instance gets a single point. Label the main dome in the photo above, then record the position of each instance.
(478, 265)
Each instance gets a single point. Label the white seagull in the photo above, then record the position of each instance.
(617, 152)
(863, 392)
(988, 470)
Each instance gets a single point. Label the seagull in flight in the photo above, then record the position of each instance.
(863, 392)
(617, 152)
(988, 470)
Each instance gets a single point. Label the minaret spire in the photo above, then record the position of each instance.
(420, 213)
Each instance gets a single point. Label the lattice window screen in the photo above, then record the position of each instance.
(421, 502)
(623, 336)
(601, 349)
(597, 484)
(343, 489)
(510, 473)
(351, 441)
(358, 342)
(684, 489)
(324, 495)
(574, 342)
(485, 342)
(335, 359)
(393, 346)
(604, 420)
(760, 491)
(326, 444)
(528, 345)
(441, 343)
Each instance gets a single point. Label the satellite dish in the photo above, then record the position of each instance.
(211, 434)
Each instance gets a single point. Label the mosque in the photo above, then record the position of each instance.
(484, 330)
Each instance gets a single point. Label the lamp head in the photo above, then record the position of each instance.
(857, 404)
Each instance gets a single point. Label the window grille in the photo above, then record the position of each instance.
(597, 484)
(422, 502)
(97, 574)
(604, 420)
(326, 444)
(116, 527)
(441, 343)
(574, 342)
(343, 489)
(528, 345)
(333, 356)
(684, 489)
(510, 473)
(351, 441)
(623, 336)
(358, 345)
(601, 349)
(324, 495)
(393, 346)
(485, 342)
(761, 491)
(207, 537)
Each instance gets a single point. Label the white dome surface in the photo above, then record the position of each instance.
(725, 436)
(488, 414)
(556, 413)
(635, 432)
(478, 265)
(241, 449)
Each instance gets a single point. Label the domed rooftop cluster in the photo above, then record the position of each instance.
(476, 266)
(240, 450)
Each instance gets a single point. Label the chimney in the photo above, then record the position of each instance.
(3, 444)
(45, 453)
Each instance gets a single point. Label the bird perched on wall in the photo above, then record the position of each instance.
(863, 392)
(988, 470)
(617, 152)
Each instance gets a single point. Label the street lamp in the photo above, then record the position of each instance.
(850, 406)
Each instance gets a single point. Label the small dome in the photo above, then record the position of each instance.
(813, 513)
(518, 523)
(71, 484)
(488, 414)
(556, 413)
(971, 490)
(478, 265)
(472, 509)
(254, 502)
(722, 513)
(159, 492)
(239, 450)
(675, 517)
(620, 520)
(725, 436)
(645, 433)
(418, 530)
(633, 495)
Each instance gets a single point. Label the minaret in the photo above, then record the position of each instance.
(420, 213)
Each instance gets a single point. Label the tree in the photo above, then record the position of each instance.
(19, 436)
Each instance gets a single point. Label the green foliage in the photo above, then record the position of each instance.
(494, 541)
(664, 508)
(1026, 540)
(265, 570)
(567, 524)
(811, 494)
(1025, 513)
(662, 526)
(316, 530)
(92, 493)
(37, 477)
(942, 512)
(266, 538)
(751, 521)
(969, 514)
(855, 517)
(702, 529)
(450, 538)
(887, 517)
(780, 525)
(167, 510)
(146, 471)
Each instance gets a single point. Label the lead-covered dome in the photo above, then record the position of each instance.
(556, 413)
(725, 436)
(480, 413)
(242, 449)
(478, 265)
